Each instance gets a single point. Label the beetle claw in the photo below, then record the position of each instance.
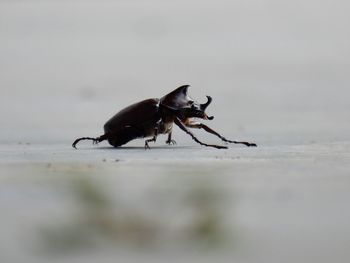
(171, 142)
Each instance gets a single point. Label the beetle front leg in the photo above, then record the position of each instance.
(210, 130)
(182, 126)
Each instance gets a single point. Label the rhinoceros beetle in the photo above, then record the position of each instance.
(151, 117)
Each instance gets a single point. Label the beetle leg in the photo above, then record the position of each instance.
(94, 140)
(182, 126)
(154, 139)
(169, 140)
(150, 140)
(199, 125)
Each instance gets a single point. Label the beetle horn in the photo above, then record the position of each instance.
(205, 105)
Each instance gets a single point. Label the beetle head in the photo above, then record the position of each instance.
(196, 110)
(184, 106)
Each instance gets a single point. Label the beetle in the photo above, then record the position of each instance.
(151, 117)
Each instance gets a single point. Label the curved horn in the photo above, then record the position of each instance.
(205, 105)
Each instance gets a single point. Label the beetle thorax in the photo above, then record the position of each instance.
(166, 124)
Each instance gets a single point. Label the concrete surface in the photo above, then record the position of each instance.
(278, 73)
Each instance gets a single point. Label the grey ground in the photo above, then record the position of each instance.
(278, 73)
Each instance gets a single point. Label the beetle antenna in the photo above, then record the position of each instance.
(95, 140)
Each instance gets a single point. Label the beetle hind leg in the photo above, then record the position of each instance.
(94, 140)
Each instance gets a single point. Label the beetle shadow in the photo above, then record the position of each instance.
(131, 148)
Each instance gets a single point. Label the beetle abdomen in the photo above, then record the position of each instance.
(124, 135)
(135, 121)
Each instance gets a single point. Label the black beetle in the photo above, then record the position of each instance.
(151, 117)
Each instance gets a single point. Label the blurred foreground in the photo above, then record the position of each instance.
(270, 204)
